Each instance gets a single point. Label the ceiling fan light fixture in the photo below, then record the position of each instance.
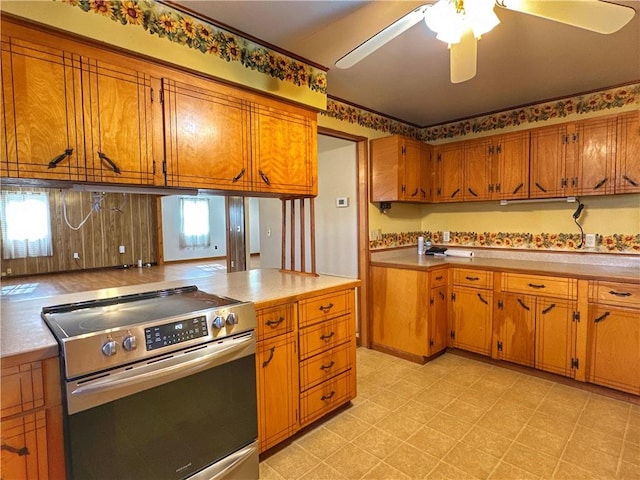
(449, 19)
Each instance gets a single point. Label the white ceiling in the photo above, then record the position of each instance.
(523, 60)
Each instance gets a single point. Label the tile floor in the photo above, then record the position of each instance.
(459, 418)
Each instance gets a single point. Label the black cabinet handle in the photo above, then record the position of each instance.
(274, 323)
(601, 183)
(540, 187)
(523, 305)
(424, 194)
(415, 193)
(549, 308)
(439, 277)
(535, 285)
(238, 176)
(264, 178)
(113, 166)
(268, 360)
(482, 299)
(602, 317)
(327, 397)
(517, 189)
(620, 294)
(18, 451)
(54, 163)
(325, 309)
(472, 192)
(473, 279)
(630, 180)
(327, 337)
(327, 367)
(455, 193)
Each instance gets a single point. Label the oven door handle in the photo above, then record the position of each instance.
(150, 375)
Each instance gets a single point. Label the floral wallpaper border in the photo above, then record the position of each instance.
(616, 243)
(594, 102)
(175, 26)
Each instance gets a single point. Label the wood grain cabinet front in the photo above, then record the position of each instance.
(438, 310)
(628, 153)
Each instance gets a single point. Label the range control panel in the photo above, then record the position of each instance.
(176, 332)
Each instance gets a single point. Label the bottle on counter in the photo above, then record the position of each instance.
(420, 245)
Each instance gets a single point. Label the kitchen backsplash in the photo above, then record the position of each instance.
(616, 243)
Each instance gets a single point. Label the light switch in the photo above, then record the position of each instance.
(342, 202)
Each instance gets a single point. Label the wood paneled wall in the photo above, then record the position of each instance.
(123, 219)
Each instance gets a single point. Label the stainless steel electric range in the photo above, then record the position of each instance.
(158, 385)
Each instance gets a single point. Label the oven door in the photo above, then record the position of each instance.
(188, 414)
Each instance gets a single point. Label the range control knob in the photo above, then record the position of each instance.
(218, 322)
(232, 319)
(129, 343)
(110, 347)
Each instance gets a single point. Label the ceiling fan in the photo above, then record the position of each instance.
(460, 23)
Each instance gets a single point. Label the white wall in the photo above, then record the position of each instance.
(171, 230)
(254, 225)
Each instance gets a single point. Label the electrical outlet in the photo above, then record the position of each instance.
(446, 236)
(76, 256)
(590, 240)
(121, 249)
(9, 271)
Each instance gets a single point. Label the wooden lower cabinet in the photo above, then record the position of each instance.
(471, 310)
(514, 329)
(31, 421)
(555, 332)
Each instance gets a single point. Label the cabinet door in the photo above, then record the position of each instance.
(24, 447)
(628, 153)
(284, 152)
(511, 170)
(594, 143)
(42, 134)
(117, 106)
(400, 309)
(548, 152)
(438, 315)
(277, 378)
(477, 170)
(449, 173)
(472, 315)
(613, 349)
(555, 335)
(206, 138)
(515, 329)
(415, 187)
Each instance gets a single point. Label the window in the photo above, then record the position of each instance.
(194, 223)
(26, 225)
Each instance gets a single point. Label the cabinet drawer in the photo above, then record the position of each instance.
(328, 364)
(274, 321)
(438, 278)
(539, 285)
(324, 307)
(325, 397)
(21, 388)
(473, 278)
(617, 294)
(325, 336)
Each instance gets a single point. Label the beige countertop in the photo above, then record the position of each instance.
(544, 264)
(24, 337)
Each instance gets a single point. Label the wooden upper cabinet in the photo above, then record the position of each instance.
(547, 161)
(284, 151)
(206, 138)
(42, 134)
(510, 166)
(628, 153)
(117, 106)
(593, 148)
(400, 170)
(449, 172)
(477, 170)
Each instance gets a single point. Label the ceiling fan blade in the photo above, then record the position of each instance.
(463, 57)
(593, 15)
(379, 39)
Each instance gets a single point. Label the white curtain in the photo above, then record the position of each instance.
(26, 225)
(194, 223)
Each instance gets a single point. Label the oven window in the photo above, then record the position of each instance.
(167, 432)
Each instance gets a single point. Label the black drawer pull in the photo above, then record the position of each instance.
(517, 189)
(424, 194)
(264, 178)
(522, 304)
(328, 397)
(473, 279)
(54, 163)
(414, 193)
(602, 317)
(630, 180)
(455, 193)
(620, 294)
(274, 323)
(535, 285)
(482, 299)
(111, 163)
(327, 367)
(439, 277)
(238, 176)
(19, 451)
(472, 192)
(540, 187)
(268, 360)
(549, 308)
(327, 337)
(325, 309)
(601, 183)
